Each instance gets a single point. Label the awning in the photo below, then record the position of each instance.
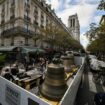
(29, 49)
(24, 49)
(7, 48)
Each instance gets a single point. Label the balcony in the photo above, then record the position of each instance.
(13, 4)
(27, 18)
(35, 13)
(42, 16)
(17, 31)
(36, 18)
(35, 23)
(12, 17)
(2, 22)
(2, 14)
(42, 21)
(42, 26)
(3, 10)
(27, 5)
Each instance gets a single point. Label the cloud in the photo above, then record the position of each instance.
(97, 19)
(54, 3)
(86, 10)
(85, 13)
(84, 40)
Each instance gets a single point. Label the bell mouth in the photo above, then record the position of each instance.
(52, 94)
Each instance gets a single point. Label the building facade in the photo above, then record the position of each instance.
(20, 21)
(102, 21)
(74, 26)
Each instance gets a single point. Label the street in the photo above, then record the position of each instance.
(88, 89)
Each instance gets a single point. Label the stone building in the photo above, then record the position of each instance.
(20, 20)
(74, 26)
(102, 21)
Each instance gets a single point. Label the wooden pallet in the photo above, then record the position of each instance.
(28, 83)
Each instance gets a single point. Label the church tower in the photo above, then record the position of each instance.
(74, 26)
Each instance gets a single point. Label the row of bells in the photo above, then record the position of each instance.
(54, 85)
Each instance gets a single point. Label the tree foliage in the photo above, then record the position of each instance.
(92, 33)
(102, 5)
(97, 45)
(57, 37)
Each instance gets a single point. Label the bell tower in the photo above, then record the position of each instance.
(74, 26)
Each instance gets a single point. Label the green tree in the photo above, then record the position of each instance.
(92, 33)
(49, 34)
(102, 5)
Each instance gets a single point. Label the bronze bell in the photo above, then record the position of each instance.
(54, 85)
(68, 60)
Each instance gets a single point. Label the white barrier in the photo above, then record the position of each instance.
(70, 95)
(11, 94)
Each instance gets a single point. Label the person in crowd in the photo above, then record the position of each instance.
(26, 62)
(33, 62)
(7, 74)
(42, 64)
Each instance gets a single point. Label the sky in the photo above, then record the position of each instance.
(86, 10)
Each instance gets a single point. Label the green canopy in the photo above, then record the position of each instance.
(24, 49)
(29, 49)
(7, 48)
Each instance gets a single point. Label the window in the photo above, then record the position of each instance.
(73, 22)
(12, 2)
(3, 8)
(27, 11)
(12, 13)
(27, 1)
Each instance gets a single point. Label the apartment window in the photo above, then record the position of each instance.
(12, 12)
(26, 41)
(25, 25)
(42, 18)
(27, 6)
(27, 1)
(3, 11)
(27, 18)
(3, 8)
(47, 22)
(27, 11)
(35, 11)
(12, 2)
(2, 28)
(73, 22)
(12, 41)
(3, 14)
(7, 7)
(42, 15)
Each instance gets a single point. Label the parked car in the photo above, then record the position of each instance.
(92, 57)
(94, 65)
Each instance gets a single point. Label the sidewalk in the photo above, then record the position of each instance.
(88, 88)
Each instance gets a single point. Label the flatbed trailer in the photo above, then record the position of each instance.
(12, 94)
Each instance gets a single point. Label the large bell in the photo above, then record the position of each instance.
(54, 85)
(68, 60)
